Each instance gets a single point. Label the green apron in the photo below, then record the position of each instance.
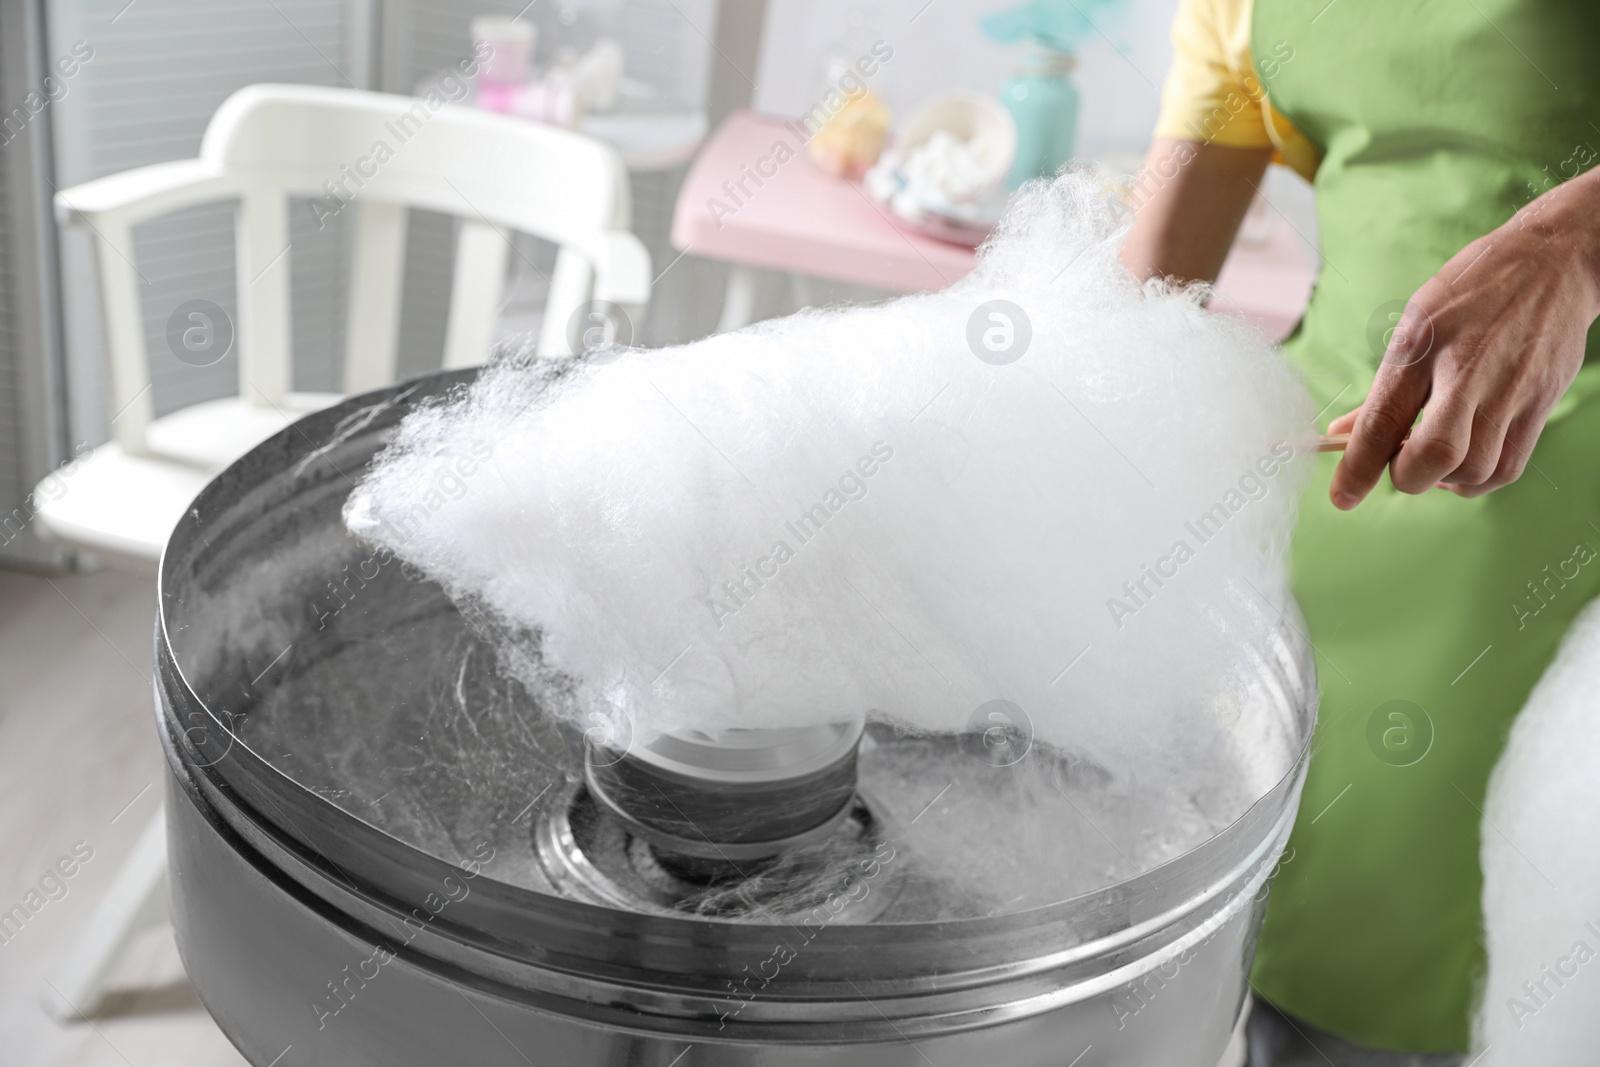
(1433, 616)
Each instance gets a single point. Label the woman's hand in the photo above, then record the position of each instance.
(1484, 350)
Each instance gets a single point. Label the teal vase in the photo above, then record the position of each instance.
(1044, 104)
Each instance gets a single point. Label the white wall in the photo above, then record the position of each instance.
(1119, 73)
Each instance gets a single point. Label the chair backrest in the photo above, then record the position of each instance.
(373, 155)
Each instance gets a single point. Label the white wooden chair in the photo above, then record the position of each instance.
(265, 145)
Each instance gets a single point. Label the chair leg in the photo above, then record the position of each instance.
(739, 300)
(135, 902)
(802, 292)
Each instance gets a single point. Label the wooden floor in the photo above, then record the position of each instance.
(79, 762)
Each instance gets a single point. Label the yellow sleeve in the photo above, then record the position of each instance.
(1206, 97)
(1212, 93)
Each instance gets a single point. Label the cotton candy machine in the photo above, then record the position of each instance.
(383, 851)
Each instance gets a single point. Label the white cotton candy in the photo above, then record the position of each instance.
(947, 167)
(848, 511)
(1541, 871)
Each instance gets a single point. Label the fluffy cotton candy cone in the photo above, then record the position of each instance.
(1047, 485)
(1541, 871)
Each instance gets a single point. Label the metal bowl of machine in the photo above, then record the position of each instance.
(383, 852)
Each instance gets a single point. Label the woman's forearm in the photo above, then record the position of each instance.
(1188, 200)
(1569, 215)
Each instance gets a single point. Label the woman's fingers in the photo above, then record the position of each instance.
(1443, 443)
(1483, 454)
(1515, 453)
(1344, 423)
(1380, 424)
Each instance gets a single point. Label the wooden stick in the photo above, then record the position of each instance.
(1333, 442)
(1338, 442)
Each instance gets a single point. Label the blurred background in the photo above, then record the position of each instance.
(689, 93)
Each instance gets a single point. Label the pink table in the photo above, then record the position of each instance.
(741, 205)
